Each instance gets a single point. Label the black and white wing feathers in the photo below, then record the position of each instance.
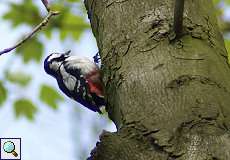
(77, 86)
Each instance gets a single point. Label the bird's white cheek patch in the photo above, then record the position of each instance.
(53, 56)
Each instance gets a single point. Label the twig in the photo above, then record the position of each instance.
(46, 4)
(36, 29)
(178, 17)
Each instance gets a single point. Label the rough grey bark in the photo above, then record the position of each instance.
(169, 98)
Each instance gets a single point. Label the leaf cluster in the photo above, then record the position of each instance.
(30, 14)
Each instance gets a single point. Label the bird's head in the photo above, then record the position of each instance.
(54, 61)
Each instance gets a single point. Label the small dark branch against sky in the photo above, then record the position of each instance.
(46, 4)
(36, 29)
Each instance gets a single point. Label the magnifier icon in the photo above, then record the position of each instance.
(9, 147)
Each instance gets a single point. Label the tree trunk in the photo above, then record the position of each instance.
(169, 98)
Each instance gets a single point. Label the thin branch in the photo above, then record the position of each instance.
(46, 4)
(36, 29)
(178, 17)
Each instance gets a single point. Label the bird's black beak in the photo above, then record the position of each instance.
(67, 53)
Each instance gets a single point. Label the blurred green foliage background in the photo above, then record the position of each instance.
(70, 25)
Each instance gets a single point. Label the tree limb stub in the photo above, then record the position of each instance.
(178, 17)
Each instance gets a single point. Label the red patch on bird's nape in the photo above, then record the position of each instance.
(95, 88)
(95, 83)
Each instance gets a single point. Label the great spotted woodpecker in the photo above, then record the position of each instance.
(78, 77)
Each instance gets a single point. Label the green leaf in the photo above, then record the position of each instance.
(18, 77)
(31, 50)
(216, 2)
(48, 32)
(67, 23)
(59, 6)
(73, 0)
(3, 94)
(50, 96)
(227, 2)
(24, 107)
(71, 24)
(23, 13)
(74, 25)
